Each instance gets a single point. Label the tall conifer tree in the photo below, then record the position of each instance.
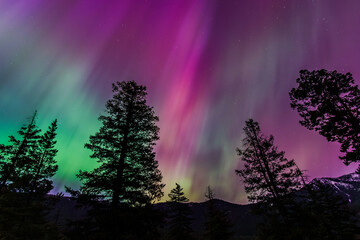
(29, 163)
(123, 147)
(45, 167)
(269, 178)
(19, 157)
(267, 174)
(26, 167)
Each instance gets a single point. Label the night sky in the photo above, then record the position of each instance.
(208, 66)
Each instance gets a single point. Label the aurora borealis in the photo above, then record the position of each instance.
(208, 65)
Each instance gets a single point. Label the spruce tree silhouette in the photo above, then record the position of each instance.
(267, 174)
(329, 103)
(179, 216)
(121, 190)
(26, 167)
(123, 146)
(28, 164)
(217, 225)
(18, 156)
(45, 166)
(293, 208)
(269, 179)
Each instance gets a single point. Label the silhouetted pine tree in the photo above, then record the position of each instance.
(217, 225)
(267, 174)
(29, 163)
(123, 146)
(179, 216)
(121, 190)
(25, 180)
(45, 167)
(18, 157)
(269, 179)
(329, 103)
(315, 212)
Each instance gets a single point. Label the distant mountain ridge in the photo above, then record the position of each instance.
(244, 221)
(347, 186)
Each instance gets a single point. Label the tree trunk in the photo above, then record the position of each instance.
(118, 188)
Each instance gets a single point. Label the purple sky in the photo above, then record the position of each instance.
(208, 65)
